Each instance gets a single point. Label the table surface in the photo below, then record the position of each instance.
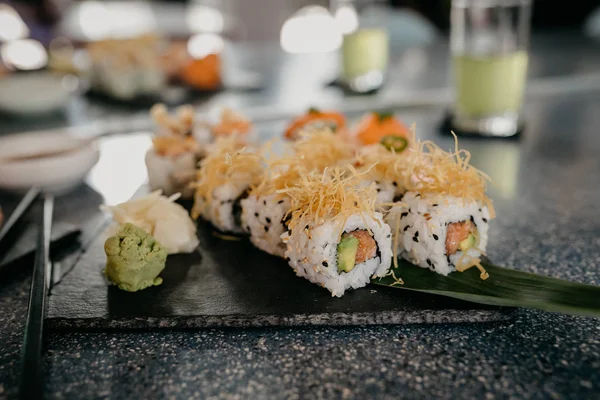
(547, 196)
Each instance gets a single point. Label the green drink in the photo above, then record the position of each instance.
(488, 41)
(364, 58)
(489, 85)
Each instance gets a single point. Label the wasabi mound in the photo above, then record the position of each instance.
(134, 259)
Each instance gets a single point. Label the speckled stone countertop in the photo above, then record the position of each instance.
(547, 197)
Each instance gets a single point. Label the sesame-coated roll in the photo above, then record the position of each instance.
(440, 233)
(265, 209)
(337, 262)
(336, 238)
(263, 218)
(224, 180)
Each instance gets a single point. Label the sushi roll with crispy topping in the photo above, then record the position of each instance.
(336, 239)
(224, 179)
(264, 210)
(442, 222)
(175, 152)
(386, 164)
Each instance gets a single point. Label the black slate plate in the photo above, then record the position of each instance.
(232, 284)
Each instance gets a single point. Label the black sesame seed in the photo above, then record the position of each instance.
(415, 239)
(404, 214)
(394, 183)
(268, 220)
(417, 234)
(484, 220)
(417, 195)
(435, 205)
(406, 228)
(472, 219)
(435, 236)
(389, 236)
(256, 215)
(265, 202)
(325, 263)
(355, 204)
(306, 227)
(287, 259)
(429, 262)
(266, 228)
(378, 190)
(248, 228)
(280, 202)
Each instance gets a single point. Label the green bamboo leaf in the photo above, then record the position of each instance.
(504, 287)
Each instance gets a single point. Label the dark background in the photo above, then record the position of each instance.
(547, 14)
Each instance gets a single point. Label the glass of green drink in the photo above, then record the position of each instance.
(364, 52)
(489, 40)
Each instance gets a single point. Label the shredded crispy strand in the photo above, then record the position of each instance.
(333, 193)
(433, 170)
(477, 263)
(228, 162)
(315, 151)
(397, 280)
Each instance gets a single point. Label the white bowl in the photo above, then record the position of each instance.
(33, 93)
(55, 173)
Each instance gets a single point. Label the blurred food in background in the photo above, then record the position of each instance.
(232, 123)
(202, 68)
(313, 120)
(374, 126)
(127, 68)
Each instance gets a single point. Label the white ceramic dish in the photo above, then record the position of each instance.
(65, 162)
(33, 93)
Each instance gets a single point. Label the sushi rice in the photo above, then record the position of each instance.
(312, 252)
(263, 218)
(224, 211)
(421, 223)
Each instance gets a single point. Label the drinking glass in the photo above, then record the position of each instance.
(488, 41)
(364, 53)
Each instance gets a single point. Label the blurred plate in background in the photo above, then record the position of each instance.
(54, 162)
(33, 93)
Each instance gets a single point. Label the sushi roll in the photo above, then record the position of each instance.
(386, 167)
(232, 123)
(264, 211)
(171, 172)
(264, 219)
(315, 120)
(441, 233)
(336, 239)
(375, 126)
(224, 179)
(175, 152)
(125, 69)
(441, 223)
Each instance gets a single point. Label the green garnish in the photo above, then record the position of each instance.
(314, 110)
(394, 143)
(382, 116)
(346, 253)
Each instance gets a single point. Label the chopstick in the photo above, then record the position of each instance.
(32, 379)
(23, 206)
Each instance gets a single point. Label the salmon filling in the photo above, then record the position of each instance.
(354, 248)
(367, 247)
(460, 236)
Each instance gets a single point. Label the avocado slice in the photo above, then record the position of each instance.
(346, 253)
(467, 243)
